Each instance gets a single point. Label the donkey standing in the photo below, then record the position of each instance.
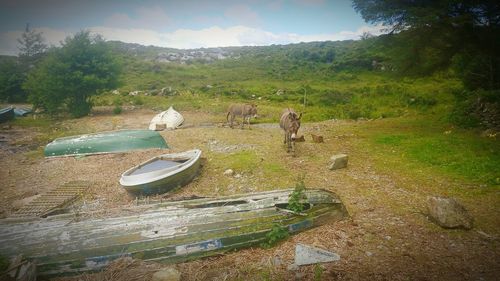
(245, 110)
(290, 123)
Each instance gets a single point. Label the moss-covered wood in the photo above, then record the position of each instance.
(170, 232)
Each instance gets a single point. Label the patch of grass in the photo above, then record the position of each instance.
(273, 169)
(30, 122)
(455, 153)
(318, 272)
(35, 154)
(243, 161)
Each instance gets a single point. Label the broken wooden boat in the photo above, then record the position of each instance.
(169, 232)
(6, 114)
(105, 142)
(162, 173)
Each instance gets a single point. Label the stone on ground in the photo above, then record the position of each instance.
(338, 161)
(305, 254)
(167, 274)
(448, 213)
(228, 172)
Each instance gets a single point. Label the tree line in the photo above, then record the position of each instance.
(59, 79)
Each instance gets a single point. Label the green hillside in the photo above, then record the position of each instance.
(346, 80)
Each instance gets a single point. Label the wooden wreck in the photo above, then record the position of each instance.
(169, 231)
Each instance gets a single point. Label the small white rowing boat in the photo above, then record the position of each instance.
(162, 173)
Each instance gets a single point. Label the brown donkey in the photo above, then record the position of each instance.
(244, 110)
(290, 123)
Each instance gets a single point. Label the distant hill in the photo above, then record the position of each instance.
(341, 55)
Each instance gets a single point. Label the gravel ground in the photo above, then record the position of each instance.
(386, 237)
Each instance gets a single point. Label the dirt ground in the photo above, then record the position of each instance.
(386, 237)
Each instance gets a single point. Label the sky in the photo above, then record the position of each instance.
(184, 24)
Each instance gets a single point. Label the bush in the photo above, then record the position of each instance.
(117, 110)
(69, 76)
(478, 108)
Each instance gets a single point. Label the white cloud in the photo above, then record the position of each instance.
(189, 39)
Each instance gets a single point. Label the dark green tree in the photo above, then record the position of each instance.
(69, 76)
(31, 47)
(463, 36)
(440, 33)
(14, 70)
(11, 78)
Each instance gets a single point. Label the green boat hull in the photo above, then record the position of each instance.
(168, 232)
(6, 114)
(105, 142)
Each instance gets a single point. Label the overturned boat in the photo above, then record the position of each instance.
(162, 173)
(6, 114)
(169, 231)
(105, 142)
(168, 119)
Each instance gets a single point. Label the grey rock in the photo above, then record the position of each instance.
(305, 254)
(167, 274)
(338, 161)
(448, 213)
(228, 172)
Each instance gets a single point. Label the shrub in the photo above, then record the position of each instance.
(117, 110)
(295, 198)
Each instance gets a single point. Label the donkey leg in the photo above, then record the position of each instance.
(232, 120)
(288, 143)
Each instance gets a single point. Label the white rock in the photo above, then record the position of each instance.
(228, 172)
(305, 254)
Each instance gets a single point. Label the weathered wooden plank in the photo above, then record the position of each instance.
(168, 231)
